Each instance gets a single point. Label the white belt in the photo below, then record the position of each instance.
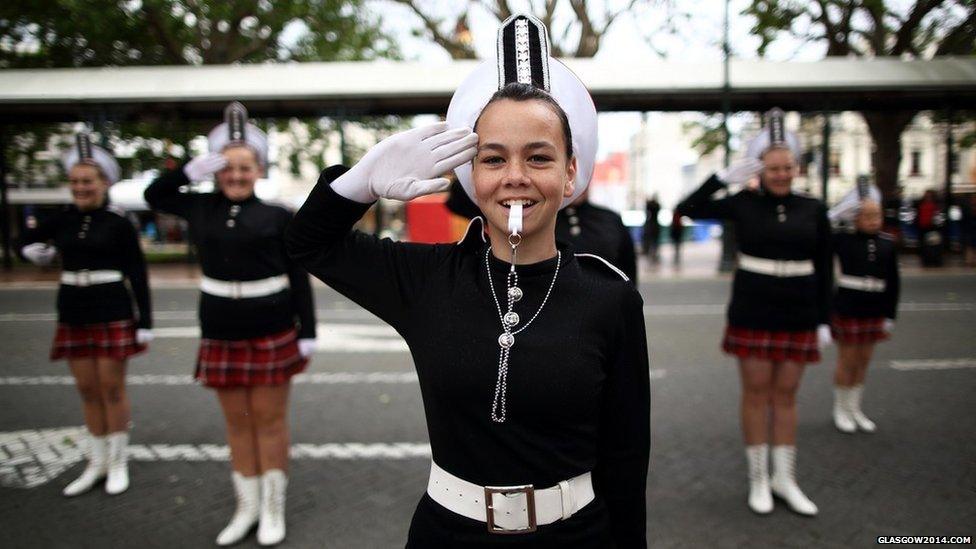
(509, 509)
(862, 283)
(238, 289)
(89, 278)
(775, 267)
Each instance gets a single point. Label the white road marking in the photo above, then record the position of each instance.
(934, 364)
(32, 458)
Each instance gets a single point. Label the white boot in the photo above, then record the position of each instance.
(271, 530)
(842, 412)
(760, 497)
(94, 471)
(118, 463)
(784, 484)
(248, 492)
(863, 423)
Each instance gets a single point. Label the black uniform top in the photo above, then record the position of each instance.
(578, 391)
(791, 227)
(874, 255)
(600, 231)
(239, 241)
(95, 240)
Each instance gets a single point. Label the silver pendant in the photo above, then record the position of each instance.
(575, 230)
(231, 223)
(781, 217)
(511, 318)
(515, 293)
(506, 340)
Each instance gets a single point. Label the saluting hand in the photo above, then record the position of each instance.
(740, 172)
(202, 167)
(408, 164)
(39, 253)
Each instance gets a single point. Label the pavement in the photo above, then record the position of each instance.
(359, 441)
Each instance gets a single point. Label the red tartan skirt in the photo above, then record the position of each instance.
(776, 345)
(264, 360)
(116, 340)
(857, 331)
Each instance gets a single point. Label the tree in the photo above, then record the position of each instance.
(873, 28)
(576, 28)
(94, 33)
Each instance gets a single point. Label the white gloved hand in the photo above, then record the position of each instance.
(144, 336)
(408, 164)
(740, 171)
(889, 326)
(307, 347)
(39, 253)
(824, 338)
(202, 167)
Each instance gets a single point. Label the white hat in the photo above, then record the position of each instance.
(847, 208)
(84, 152)
(236, 130)
(523, 56)
(774, 135)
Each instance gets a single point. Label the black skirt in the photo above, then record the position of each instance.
(434, 527)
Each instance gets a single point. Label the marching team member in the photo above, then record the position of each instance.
(97, 328)
(780, 301)
(532, 360)
(866, 300)
(256, 313)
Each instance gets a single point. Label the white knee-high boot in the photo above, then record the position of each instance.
(842, 410)
(760, 497)
(784, 484)
(271, 529)
(94, 471)
(118, 463)
(863, 423)
(248, 493)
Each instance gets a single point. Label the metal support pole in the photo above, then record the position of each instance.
(8, 260)
(727, 262)
(825, 157)
(947, 203)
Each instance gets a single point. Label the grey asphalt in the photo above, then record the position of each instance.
(916, 476)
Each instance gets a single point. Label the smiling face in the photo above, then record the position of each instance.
(522, 159)
(236, 180)
(778, 171)
(88, 186)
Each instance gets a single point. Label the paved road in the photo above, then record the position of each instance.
(359, 440)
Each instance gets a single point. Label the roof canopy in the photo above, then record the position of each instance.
(384, 87)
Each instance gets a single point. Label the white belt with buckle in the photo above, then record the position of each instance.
(242, 289)
(862, 283)
(89, 278)
(510, 509)
(776, 267)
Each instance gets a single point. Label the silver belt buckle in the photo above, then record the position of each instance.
(526, 489)
(83, 278)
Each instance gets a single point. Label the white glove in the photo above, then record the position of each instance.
(202, 167)
(740, 171)
(39, 253)
(823, 336)
(144, 336)
(307, 347)
(889, 326)
(408, 164)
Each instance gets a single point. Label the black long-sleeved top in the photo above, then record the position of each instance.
(95, 240)
(791, 227)
(595, 230)
(239, 241)
(578, 390)
(861, 254)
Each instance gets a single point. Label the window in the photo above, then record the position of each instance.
(916, 163)
(834, 162)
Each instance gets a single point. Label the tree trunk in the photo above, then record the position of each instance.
(886, 129)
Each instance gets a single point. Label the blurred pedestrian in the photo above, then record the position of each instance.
(864, 305)
(929, 221)
(651, 237)
(98, 328)
(532, 360)
(677, 233)
(968, 207)
(779, 313)
(256, 314)
(592, 229)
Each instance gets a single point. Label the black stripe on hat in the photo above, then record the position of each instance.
(777, 129)
(235, 115)
(523, 52)
(84, 144)
(863, 187)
